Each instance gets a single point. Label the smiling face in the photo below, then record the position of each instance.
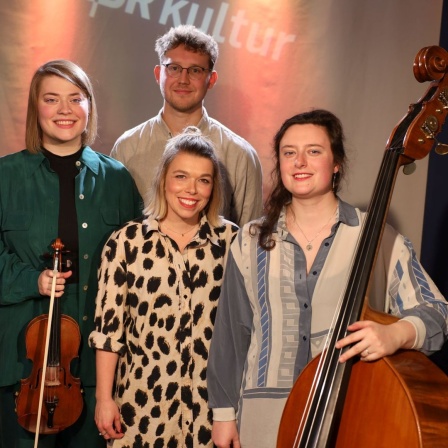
(184, 94)
(188, 188)
(306, 161)
(63, 112)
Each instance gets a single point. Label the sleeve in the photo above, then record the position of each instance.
(230, 344)
(412, 295)
(117, 151)
(19, 281)
(110, 300)
(248, 194)
(125, 146)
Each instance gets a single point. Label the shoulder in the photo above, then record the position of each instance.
(19, 165)
(110, 162)
(137, 131)
(17, 158)
(229, 226)
(224, 227)
(130, 230)
(248, 234)
(223, 136)
(91, 157)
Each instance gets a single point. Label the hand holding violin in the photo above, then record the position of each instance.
(45, 280)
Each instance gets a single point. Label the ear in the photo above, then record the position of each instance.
(157, 69)
(336, 169)
(213, 79)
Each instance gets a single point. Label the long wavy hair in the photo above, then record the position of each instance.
(280, 196)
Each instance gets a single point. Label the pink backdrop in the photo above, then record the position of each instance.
(276, 58)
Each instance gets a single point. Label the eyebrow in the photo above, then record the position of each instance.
(187, 172)
(58, 94)
(309, 145)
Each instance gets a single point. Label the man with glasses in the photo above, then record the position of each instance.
(187, 57)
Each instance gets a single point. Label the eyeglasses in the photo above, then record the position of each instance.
(194, 72)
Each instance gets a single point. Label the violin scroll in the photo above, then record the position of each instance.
(58, 245)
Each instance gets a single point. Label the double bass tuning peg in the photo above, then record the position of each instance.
(441, 148)
(409, 168)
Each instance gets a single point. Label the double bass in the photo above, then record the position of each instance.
(400, 400)
(50, 399)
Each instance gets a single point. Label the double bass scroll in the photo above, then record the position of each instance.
(400, 400)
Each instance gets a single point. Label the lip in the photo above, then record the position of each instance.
(182, 92)
(301, 176)
(188, 202)
(64, 123)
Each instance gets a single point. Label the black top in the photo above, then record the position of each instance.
(65, 167)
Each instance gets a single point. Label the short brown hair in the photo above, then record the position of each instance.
(72, 73)
(192, 38)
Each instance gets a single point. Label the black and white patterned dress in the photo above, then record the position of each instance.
(156, 307)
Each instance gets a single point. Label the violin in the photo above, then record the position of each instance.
(402, 399)
(50, 399)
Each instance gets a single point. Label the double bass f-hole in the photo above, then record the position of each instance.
(50, 399)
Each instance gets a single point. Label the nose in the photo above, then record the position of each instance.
(184, 76)
(191, 187)
(64, 107)
(300, 160)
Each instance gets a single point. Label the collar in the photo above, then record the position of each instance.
(202, 125)
(206, 231)
(89, 158)
(346, 215)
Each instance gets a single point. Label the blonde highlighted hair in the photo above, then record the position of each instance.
(190, 141)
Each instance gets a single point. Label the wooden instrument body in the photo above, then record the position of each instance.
(50, 399)
(66, 390)
(389, 402)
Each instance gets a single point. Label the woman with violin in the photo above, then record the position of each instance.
(282, 285)
(56, 188)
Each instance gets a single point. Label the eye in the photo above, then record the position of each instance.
(288, 153)
(173, 68)
(77, 100)
(50, 100)
(206, 181)
(196, 70)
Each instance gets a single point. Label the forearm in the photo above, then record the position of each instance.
(106, 363)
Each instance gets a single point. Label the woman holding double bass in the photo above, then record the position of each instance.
(282, 285)
(57, 187)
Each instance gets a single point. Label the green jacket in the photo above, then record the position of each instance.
(106, 198)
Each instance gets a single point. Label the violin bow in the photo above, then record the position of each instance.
(57, 247)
